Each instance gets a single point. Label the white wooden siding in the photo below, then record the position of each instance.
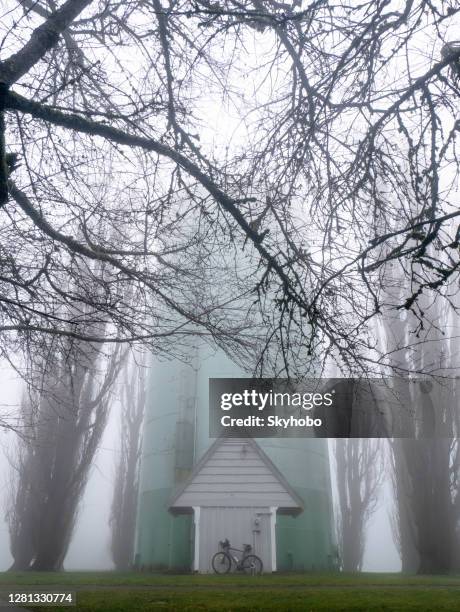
(235, 475)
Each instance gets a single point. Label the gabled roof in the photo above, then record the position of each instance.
(236, 472)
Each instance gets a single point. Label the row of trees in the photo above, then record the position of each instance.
(52, 465)
(424, 465)
(63, 422)
(64, 415)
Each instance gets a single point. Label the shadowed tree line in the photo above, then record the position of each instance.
(63, 415)
(426, 471)
(63, 425)
(424, 465)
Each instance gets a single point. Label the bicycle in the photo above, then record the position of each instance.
(223, 560)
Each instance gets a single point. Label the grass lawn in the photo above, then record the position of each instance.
(112, 591)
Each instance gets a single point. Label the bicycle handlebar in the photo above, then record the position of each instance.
(225, 544)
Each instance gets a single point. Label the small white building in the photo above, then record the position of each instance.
(235, 492)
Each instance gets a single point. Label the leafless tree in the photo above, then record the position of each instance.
(359, 471)
(62, 423)
(110, 109)
(427, 516)
(21, 511)
(425, 464)
(124, 505)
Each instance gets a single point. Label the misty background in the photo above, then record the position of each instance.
(90, 546)
(375, 242)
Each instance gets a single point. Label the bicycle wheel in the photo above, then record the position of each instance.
(252, 564)
(221, 563)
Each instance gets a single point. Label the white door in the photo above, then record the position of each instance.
(240, 526)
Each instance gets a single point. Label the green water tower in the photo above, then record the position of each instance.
(176, 436)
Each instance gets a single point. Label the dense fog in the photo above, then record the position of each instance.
(90, 546)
